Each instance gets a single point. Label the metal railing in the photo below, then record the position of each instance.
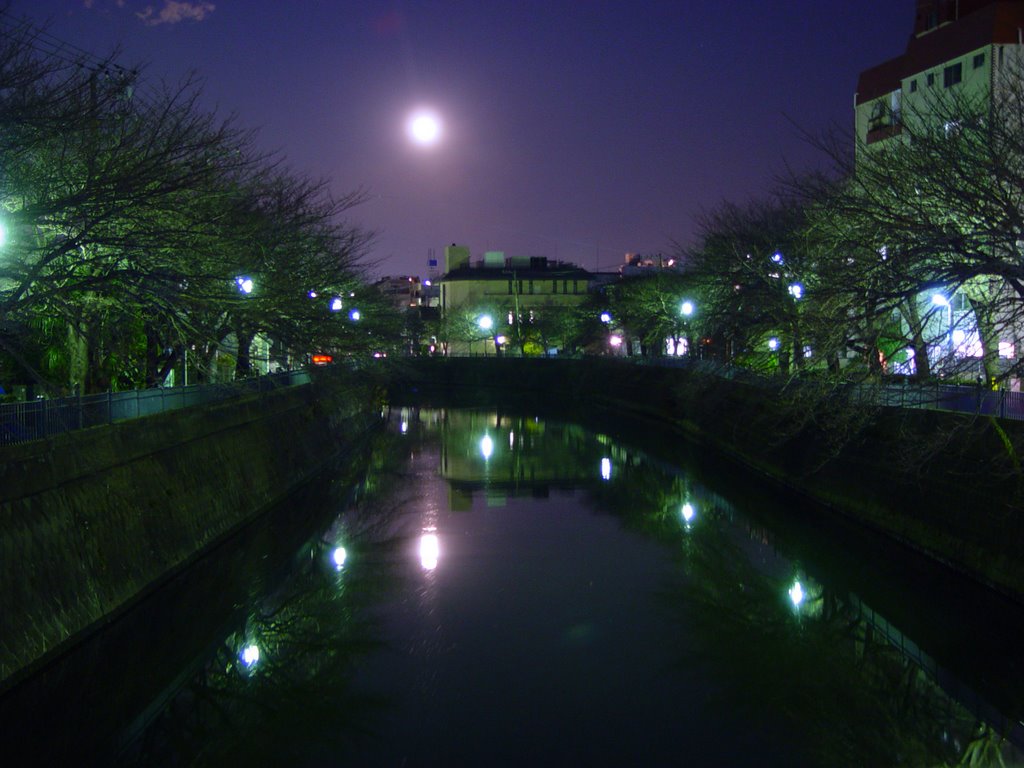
(37, 419)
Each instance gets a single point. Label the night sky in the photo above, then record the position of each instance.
(573, 130)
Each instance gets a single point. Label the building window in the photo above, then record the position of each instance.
(931, 79)
(509, 287)
(951, 75)
(979, 60)
(913, 86)
(878, 117)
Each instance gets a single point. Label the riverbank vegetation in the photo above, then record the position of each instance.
(141, 230)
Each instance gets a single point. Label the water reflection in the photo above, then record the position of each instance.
(430, 551)
(790, 642)
(583, 616)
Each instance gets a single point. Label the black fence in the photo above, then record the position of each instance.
(36, 419)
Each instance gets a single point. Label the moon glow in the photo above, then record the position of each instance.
(424, 128)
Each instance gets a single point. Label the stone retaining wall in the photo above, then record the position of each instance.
(91, 520)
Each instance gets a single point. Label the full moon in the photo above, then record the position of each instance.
(424, 128)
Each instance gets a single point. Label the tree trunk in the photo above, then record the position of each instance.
(243, 362)
(922, 365)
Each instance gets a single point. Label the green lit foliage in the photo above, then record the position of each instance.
(938, 208)
(130, 211)
(649, 309)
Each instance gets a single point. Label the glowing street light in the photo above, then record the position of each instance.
(250, 655)
(245, 284)
(606, 317)
(485, 322)
(773, 344)
(796, 291)
(336, 304)
(686, 309)
(355, 315)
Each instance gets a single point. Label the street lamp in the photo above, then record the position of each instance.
(336, 304)
(245, 284)
(355, 315)
(486, 322)
(686, 309)
(606, 317)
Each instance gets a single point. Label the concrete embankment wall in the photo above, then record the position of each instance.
(949, 485)
(89, 521)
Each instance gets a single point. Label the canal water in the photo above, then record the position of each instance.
(480, 588)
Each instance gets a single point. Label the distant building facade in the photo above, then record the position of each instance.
(402, 291)
(514, 292)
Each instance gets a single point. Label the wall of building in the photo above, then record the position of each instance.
(92, 520)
